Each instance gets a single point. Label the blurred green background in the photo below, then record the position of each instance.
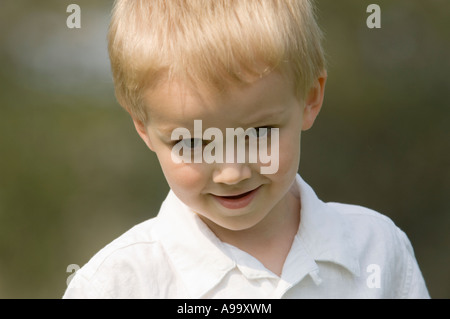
(74, 175)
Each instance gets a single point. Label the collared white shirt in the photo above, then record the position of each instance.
(340, 251)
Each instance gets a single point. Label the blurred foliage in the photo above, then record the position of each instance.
(74, 174)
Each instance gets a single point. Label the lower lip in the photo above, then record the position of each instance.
(236, 203)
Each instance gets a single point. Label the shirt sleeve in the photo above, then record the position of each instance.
(414, 286)
(81, 288)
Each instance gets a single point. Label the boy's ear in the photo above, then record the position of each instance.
(313, 102)
(143, 133)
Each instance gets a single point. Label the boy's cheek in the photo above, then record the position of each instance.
(288, 162)
(289, 152)
(183, 175)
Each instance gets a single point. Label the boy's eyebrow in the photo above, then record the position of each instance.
(166, 131)
(268, 118)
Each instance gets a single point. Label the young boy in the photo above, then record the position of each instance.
(196, 75)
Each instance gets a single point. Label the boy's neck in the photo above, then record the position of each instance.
(271, 239)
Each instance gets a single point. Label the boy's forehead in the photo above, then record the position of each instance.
(175, 98)
(172, 99)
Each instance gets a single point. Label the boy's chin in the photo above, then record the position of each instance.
(232, 223)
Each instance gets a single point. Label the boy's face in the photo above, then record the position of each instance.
(231, 195)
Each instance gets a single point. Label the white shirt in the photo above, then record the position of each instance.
(340, 251)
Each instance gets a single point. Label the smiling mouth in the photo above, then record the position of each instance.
(237, 201)
(237, 196)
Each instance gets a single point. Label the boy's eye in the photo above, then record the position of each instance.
(191, 143)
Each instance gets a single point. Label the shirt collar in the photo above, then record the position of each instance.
(325, 233)
(196, 253)
(202, 260)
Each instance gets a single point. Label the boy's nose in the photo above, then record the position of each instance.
(231, 173)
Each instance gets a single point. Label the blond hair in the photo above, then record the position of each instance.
(210, 42)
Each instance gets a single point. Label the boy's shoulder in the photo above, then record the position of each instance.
(356, 214)
(347, 223)
(366, 222)
(146, 260)
(139, 238)
(111, 272)
(370, 228)
(373, 241)
(379, 241)
(357, 211)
